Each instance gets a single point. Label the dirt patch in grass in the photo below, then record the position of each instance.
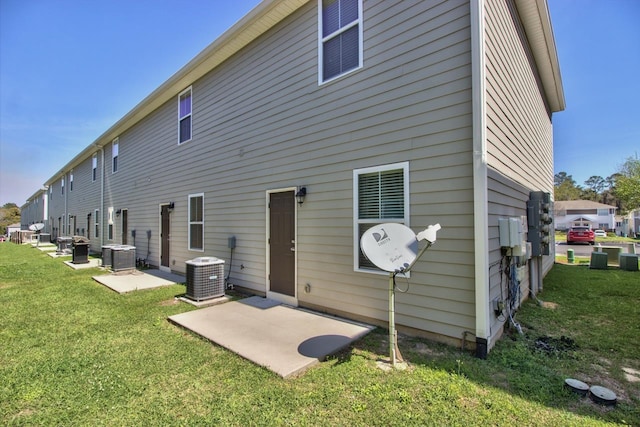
(550, 305)
(554, 346)
(169, 302)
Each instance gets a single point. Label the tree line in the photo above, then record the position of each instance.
(622, 189)
(9, 214)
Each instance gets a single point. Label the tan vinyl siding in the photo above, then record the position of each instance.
(85, 198)
(519, 131)
(261, 122)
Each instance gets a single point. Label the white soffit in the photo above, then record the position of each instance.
(537, 25)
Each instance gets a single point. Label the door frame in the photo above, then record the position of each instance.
(160, 266)
(285, 299)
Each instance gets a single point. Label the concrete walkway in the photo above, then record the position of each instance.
(135, 280)
(284, 339)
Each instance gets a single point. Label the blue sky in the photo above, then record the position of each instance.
(69, 69)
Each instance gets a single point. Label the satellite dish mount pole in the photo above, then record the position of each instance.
(394, 351)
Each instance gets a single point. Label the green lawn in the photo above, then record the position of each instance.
(73, 352)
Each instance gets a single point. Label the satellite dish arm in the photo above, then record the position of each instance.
(429, 234)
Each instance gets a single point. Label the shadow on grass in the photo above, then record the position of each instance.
(587, 330)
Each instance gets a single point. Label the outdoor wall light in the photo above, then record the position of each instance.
(118, 212)
(171, 206)
(300, 195)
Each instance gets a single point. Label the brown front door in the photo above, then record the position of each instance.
(165, 231)
(282, 243)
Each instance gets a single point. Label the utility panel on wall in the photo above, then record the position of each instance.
(539, 219)
(512, 236)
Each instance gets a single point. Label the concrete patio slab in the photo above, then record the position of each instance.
(284, 339)
(93, 263)
(135, 280)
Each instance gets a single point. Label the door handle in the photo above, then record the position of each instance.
(293, 249)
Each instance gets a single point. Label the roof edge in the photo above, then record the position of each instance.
(260, 19)
(536, 20)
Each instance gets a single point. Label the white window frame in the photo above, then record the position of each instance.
(190, 223)
(189, 115)
(94, 167)
(71, 181)
(96, 223)
(110, 226)
(115, 148)
(62, 186)
(404, 166)
(322, 40)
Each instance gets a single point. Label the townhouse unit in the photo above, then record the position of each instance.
(414, 112)
(35, 210)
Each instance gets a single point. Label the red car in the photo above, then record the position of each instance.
(581, 235)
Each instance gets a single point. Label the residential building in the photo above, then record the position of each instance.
(570, 213)
(382, 111)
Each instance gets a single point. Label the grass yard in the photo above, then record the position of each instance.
(73, 352)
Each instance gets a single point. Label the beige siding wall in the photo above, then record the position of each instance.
(57, 208)
(84, 199)
(519, 132)
(261, 122)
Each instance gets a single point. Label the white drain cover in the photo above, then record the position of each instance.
(602, 395)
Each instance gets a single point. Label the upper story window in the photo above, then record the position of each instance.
(94, 167)
(114, 155)
(381, 194)
(340, 37)
(61, 185)
(184, 116)
(603, 212)
(196, 222)
(71, 180)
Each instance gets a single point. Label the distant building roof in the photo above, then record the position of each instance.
(579, 204)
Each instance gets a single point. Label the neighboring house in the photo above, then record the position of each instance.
(12, 229)
(35, 210)
(413, 112)
(629, 225)
(570, 213)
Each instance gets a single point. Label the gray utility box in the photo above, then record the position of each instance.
(598, 261)
(64, 244)
(123, 257)
(205, 278)
(629, 262)
(80, 250)
(106, 255)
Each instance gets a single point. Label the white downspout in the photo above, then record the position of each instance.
(480, 196)
(102, 175)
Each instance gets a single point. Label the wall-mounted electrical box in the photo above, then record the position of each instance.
(231, 242)
(510, 232)
(539, 220)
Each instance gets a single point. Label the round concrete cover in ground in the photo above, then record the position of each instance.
(602, 395)
(577, 386)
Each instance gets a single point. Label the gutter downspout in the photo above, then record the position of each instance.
(480, 196)
(102, 174)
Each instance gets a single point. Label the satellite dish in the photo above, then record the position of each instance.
(36, 227)
(391, 247)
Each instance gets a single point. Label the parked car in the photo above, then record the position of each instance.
(580, 235)
(600, 233)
